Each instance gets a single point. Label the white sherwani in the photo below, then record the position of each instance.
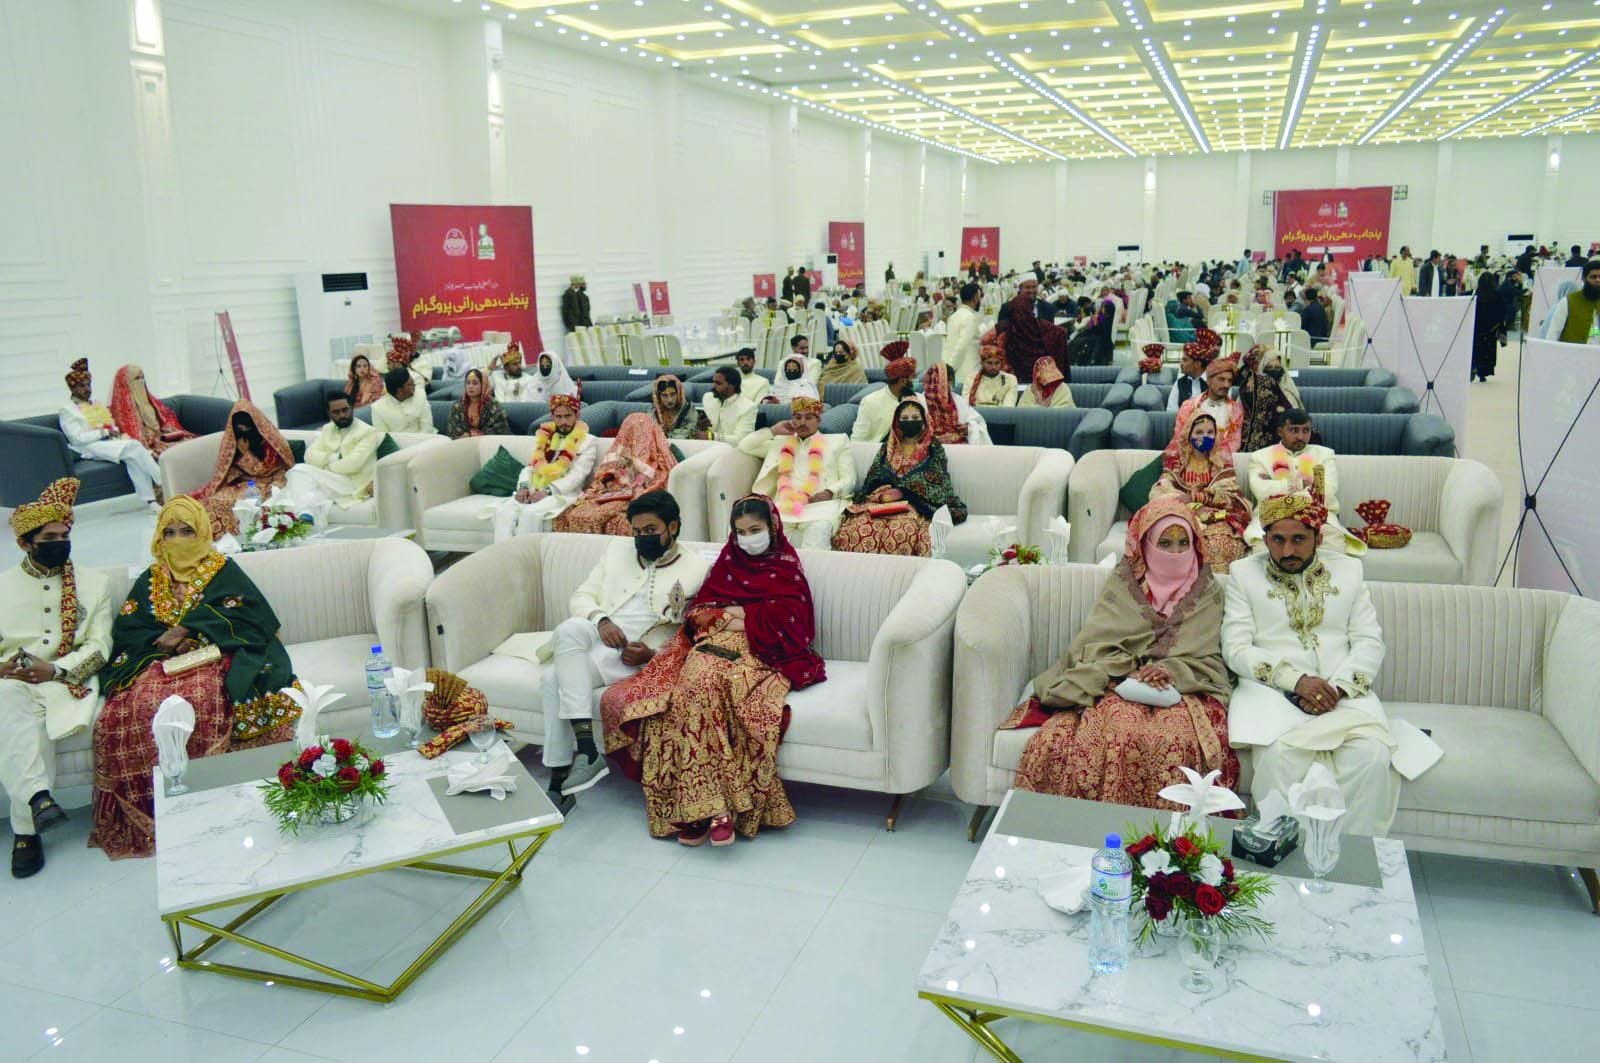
(815, 526)
(1277, 628)
(34, 716)
(875, 415)
(1276, 470)
(514, 389)
(526, 518)
(732, 420)
(645, 600)
(340, 464)
(413, 415)
(961, 343)
(998, 390)
(98, 443)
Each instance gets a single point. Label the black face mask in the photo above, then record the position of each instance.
(791, 373)
(1275, 373)
(911, 429)
(651, 547)
(52, 554)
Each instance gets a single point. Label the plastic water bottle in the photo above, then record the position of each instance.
(385, 714)
(1110, 895)
(252, 493)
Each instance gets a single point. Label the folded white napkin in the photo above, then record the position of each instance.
(172, 725)
(1202, 795)
(312, 699)
(1059, 535)
(228, 545)
(939, 528)
(1136, 690)
(1317, 796)
(264, 536)
(409, 687)
(1066, 890)
(495, 776)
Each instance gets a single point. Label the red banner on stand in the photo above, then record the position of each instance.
(659, 303)
(231, 343)
(766, 286)
(471, 267)
(848, 240)
(1352, 224)
(816, 280)
(979, 245)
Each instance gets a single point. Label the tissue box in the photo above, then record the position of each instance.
(1266, 845)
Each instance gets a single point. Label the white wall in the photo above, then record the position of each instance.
(162, 171)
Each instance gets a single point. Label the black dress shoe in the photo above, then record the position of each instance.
(46, 812)
(564, 803)
(27, 856)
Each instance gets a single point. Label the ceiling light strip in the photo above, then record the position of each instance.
(1439, 70)
(950, 109)
(1579, 113)
(1155, 59)
(846, 116)
(1537, 87)
(1310, 58)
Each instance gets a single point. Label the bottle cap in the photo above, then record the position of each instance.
(377, 649)
(1113, 841)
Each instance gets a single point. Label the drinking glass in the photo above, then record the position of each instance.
(1322, 851)
(1198, 946)
(482, 731)
(174, 776)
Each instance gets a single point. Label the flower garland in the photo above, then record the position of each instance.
(550, 464)
(790, 496)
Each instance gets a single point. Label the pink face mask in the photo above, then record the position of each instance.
(1168, 576)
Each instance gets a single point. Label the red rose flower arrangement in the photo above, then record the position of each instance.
(1016, 554)
(1185, 876)
(326, 783)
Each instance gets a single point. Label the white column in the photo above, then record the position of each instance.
(1147, 234)
(1441, 200)
(873, 254)
(1241, 204)
(1058, 205)
(1341, 165)
(494, 55)
(785, 238)
(1554, 160)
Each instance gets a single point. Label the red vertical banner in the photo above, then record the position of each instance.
(1351, 224)
(766, 285)
(980, 244)
(230, 343)
(816, 280)
(848, 241)
(659, 303)
(471, 267)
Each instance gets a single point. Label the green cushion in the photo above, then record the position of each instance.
(1136, 492)
(677, 455)
(297, 448)
(498, 476)
(388, 446)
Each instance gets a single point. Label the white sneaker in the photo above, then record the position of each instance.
(586, 771)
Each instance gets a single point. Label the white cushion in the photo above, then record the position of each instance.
(1115, 542)
(971, 540)
(474, 513)
(341, 662)
(833, 713)
(363, 513)
(1427, 558)
(1008, 747)
(510, 683)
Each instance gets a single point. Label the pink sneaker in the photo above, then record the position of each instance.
(722, 831)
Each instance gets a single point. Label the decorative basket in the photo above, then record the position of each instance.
(1378, 534)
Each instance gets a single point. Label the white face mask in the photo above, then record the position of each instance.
(754, 545)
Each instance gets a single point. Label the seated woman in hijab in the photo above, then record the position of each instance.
(140, 415)
(843, 366)
(909, 479)
(792, 381)
(477, 412)
(639, 460)
(252, 450)
(699, 726)
(676, 416)
(1266, 390)
(190, 597)
(364, 385)
(550, 377)
(1199, 473)
(1049, 390)
(1158, 622)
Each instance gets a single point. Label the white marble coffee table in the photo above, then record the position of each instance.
(1345, 977)
(217, 848)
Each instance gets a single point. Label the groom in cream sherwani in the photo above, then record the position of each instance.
(1300, 632)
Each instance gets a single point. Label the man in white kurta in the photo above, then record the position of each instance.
(875, 411)
(961, 334)
(564, 457)
(731, 415)
(341, 463)
(403, 409)
(1292, 465)
(992, 386)
(1300, 632)
(752, 385)
(91, 433)
(627, 608)
(55, 635)
(808, 475)
(512, 383)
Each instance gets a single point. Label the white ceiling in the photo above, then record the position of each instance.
(1036, 80)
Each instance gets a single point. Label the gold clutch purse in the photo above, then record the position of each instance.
(188, 662)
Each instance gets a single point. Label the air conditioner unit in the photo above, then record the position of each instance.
(335, 315)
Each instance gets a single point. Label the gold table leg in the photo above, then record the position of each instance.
(976, 1023)
(336, 981)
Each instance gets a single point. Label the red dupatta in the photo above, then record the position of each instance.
(944, 420)
(125, 412)
(1028, 339)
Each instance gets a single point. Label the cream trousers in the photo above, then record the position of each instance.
(27, 756)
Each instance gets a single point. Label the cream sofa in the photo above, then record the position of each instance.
(187, 467)
(1023, 488)
(1452, 505)
(335, 602)
(880, 721)
(449, 516)
(1504, 679)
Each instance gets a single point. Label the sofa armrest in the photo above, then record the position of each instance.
(392, 484)
(993, 629)
(730, 478)
(441, 474)
(1092, 433)
(460, 630)
(1091, 507)
(1398, 400)
(1428, 435)
(398, 575)
(186, 467)
(687, 483)
(1131, 431)
(1043, 497)
(35, 458)
(1571, 675)
(908, 678)
(1379, 378)
(1469, 520)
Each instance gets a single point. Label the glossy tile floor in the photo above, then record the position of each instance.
(800, 946)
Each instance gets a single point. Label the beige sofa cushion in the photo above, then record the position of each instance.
(470, 514)
(1427, 558)
(340, 661)
(833, 713)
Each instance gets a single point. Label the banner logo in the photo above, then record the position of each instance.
(455, 244)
